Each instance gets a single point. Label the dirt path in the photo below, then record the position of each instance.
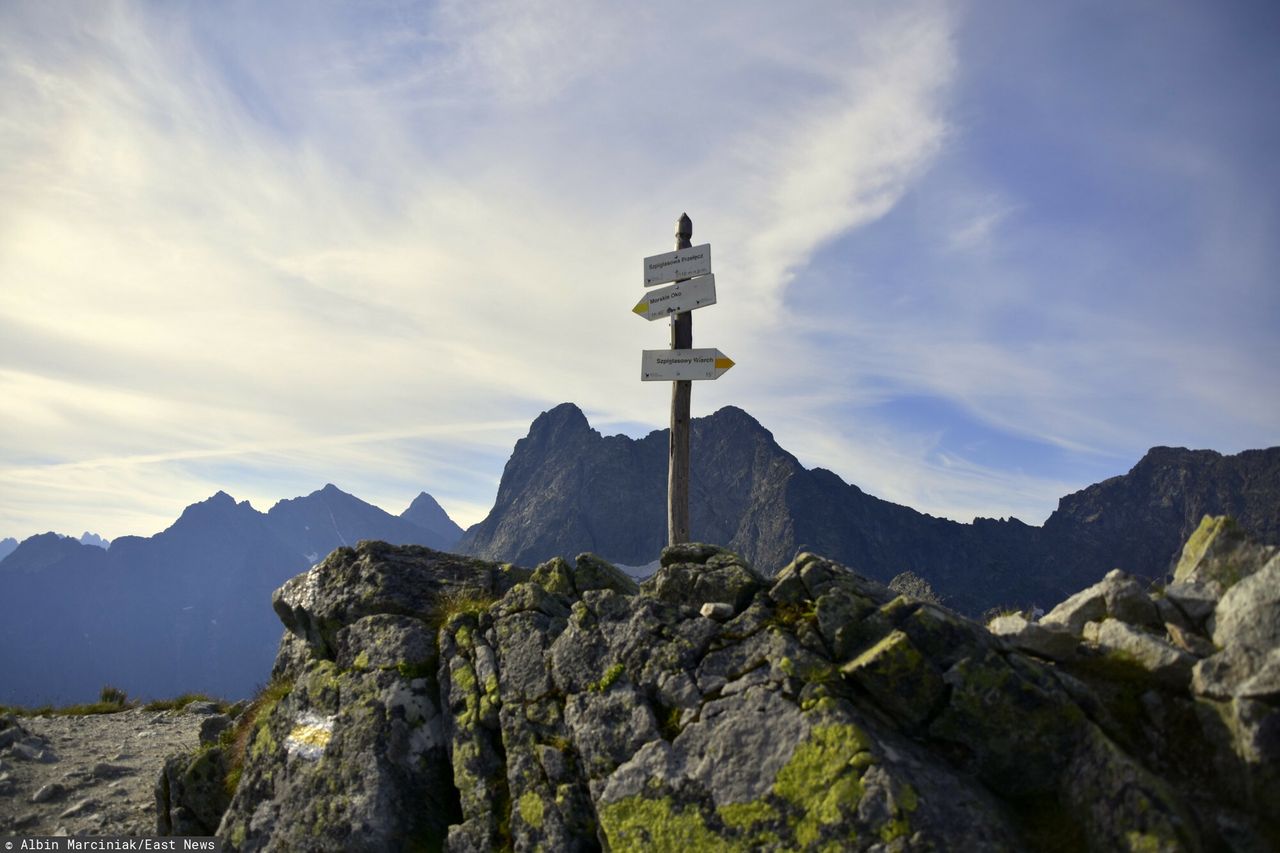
(91, 775)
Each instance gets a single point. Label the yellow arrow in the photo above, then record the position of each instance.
(724, 363)
(642, 307)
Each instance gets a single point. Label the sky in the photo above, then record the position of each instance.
(972, 257)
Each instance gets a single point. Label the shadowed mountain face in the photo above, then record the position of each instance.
(186, 609)
(568, 489)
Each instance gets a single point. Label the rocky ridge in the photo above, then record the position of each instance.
(426, 701)
(567, 489)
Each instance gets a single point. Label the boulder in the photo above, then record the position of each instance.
(1052, 640)
(1126, 644)
(1220, 552)
(1117, 595)
(695, 573)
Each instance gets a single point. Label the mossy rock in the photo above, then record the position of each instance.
(901, 680)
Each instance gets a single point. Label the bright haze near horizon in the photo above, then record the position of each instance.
(969, 256)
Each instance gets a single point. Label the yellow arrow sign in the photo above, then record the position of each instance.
(676, 298)
(671, 365)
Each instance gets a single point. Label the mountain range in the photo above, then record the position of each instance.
(568, 489)
(189, 608)
(186, 609)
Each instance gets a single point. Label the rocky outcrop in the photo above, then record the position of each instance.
(1190, 673)
(424, 700)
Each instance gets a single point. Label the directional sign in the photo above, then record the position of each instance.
(682, 263)
(674, 298)
(668, 365)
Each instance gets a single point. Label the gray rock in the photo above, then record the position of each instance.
(1117, 595)
(592, 572)
(104, 770)
(1219, 551)
(191, 794)
(1195, 600)
(211, 728)
(1087, 605)
(78, 808)
(27, 752)
(50, 791)
(691, 574)
(377, 578)
(1220, 675)
(1124, 805)
(717, 610)
(1264, 684)
(1053, 641)
(1168, 665)
(905, 683)
(1128, 601)
(1248, 615)
(608, 728)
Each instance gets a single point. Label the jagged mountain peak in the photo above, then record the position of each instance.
(564, 419)
(219, 505)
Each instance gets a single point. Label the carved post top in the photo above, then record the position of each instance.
(684, 229)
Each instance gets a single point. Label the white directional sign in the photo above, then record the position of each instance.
(682, 263)
(669, 365)
(674, 298)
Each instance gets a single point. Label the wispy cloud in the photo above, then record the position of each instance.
(308, 243)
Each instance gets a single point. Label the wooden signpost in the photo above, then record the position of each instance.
(689, 267)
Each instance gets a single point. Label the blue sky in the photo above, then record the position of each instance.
(970, 256)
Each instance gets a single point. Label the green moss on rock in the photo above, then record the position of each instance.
(900, 679)
(645, 824)
(821, 781)
(531, 809)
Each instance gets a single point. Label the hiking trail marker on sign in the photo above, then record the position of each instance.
(682, 263)
(678, 297)
(689, 267)
(673, 365)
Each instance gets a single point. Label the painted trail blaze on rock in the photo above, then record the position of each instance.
(309, 736)
(441, 702)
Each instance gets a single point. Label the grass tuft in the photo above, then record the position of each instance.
(247, 725)
(461, 601)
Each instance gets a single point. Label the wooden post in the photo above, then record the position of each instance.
(678, 449)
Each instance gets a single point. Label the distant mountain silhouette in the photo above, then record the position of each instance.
(568, 489)
(7, 546)
(428, 515)
(326, 519)
(186, 609)
(94, 539)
